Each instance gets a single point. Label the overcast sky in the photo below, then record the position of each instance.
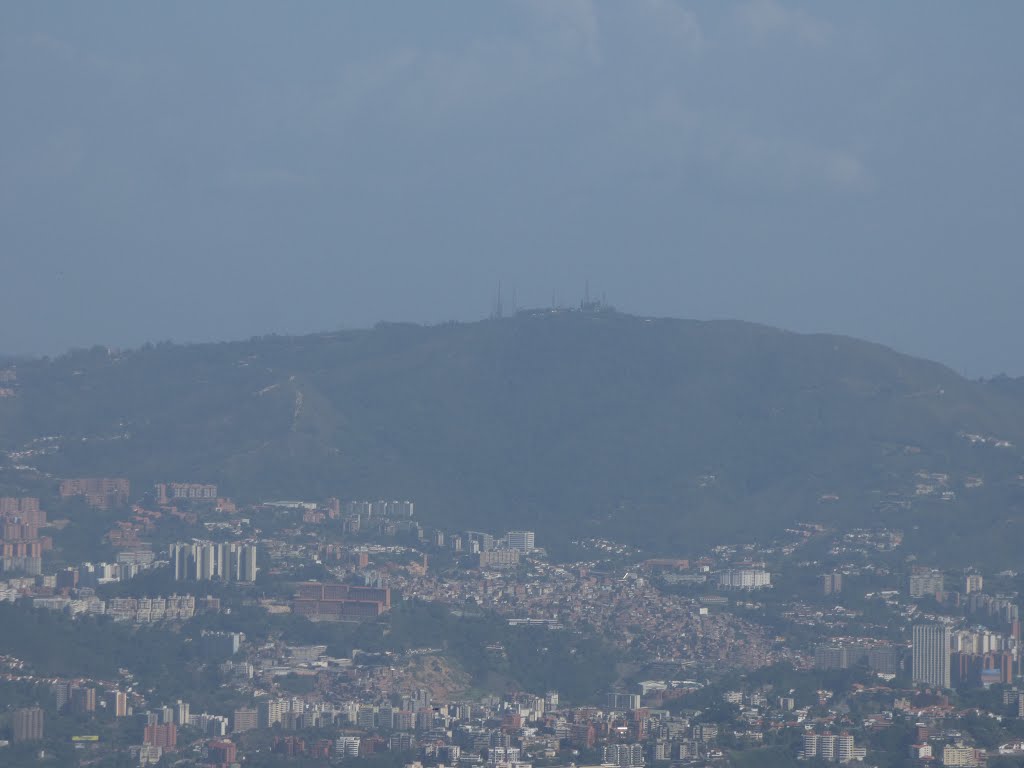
(198, 171)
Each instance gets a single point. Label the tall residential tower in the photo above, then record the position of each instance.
(931, 660)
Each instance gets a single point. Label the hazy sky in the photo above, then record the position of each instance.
(197, 171)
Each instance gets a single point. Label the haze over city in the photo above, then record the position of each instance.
(536, 384)
(197, 172)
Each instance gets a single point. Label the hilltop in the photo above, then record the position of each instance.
(669, 434)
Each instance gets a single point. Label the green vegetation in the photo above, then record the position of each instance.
(265, 759)
(292, 683)
(527, 658)
(888, 746)
(58, 730)
(665, 433)
(55, 645)
(766, 757)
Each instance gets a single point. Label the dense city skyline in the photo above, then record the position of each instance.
(520, 384)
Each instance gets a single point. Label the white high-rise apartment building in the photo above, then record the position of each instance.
(624, 755)
(844, 748)
(745, 578)
(347, 746)
(181, 713)
(811, 745)
(827, 746)
(926, 583)
(247, 565)
(205, 560)
(521, 540)
(931, 658)
(960, 755)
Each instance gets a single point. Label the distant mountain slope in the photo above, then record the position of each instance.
(668, 433)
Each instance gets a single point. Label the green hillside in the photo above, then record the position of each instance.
(668, 433)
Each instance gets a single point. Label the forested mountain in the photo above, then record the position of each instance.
(670, 434)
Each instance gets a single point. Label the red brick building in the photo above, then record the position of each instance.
(164, 736)
(221, 753)
(99, 492)
(338, 602)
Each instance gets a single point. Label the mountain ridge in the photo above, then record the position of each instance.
(670, 434)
